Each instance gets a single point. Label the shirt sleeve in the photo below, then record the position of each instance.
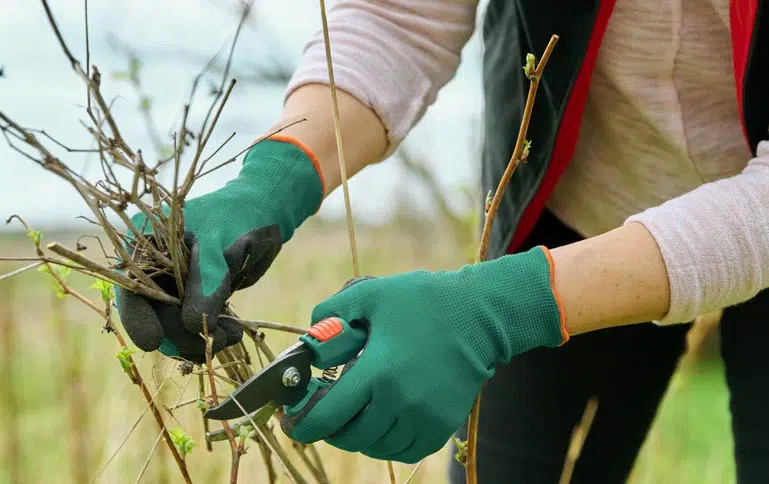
(715, 241)
(394, 56)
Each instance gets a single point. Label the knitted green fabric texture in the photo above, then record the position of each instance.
(434, 338)
(234, 234)
(278, 184)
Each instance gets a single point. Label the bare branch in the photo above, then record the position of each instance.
(255, 325)
(21, 270)
(73, 62)
(471, 472)
(112, 276)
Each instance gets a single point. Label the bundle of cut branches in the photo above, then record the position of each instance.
(138, 262)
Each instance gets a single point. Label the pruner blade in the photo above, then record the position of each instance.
(283, 381)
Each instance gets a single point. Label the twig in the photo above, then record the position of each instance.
(55, 28)
(272, 476)
(339, 147)
(87, 51)
(192, 172)
(291, 471)
(471, 472)
(160, 435)
(65, 288)
(151, 255)
(215, 401)
(130, 432)
(342, 163)
(235, 157)
(21, 270)
(256, 325)
(414, 472)
(323, 479)
(578, 439)
(112, 276)
(149, 457)
(317, 472)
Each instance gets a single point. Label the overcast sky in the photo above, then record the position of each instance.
(176, 37)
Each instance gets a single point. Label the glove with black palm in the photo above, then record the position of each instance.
(234, 235)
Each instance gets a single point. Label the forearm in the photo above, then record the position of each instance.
(390, 60)
(393, 56)
(705, 250)
(363, 133)
(614, 279)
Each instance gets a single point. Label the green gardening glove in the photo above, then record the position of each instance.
(433, 339)
(233, 234)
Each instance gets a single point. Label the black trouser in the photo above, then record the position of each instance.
(530, 407)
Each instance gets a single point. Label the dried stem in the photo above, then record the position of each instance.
(234, 448)
(139, 254)
(339, 146)
(256, 325)
(342, 163)
(471, 471)
(578, 439)
(130, 431)
(414, 472)
(112, 276)
(149, 458)
(21, 270)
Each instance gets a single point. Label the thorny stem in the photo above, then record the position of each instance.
(471, 471)
(206, 422)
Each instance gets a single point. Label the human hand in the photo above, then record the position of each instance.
(433, 339)
(234, 235)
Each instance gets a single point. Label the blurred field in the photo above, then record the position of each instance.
(67, 406)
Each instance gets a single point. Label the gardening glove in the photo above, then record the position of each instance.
(434, 338)
(233, 235)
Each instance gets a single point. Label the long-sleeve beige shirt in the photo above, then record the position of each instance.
(660, 141)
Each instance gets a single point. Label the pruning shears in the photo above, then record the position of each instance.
(287, 380)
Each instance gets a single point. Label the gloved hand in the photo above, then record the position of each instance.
(433, 339)
(233, 234)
